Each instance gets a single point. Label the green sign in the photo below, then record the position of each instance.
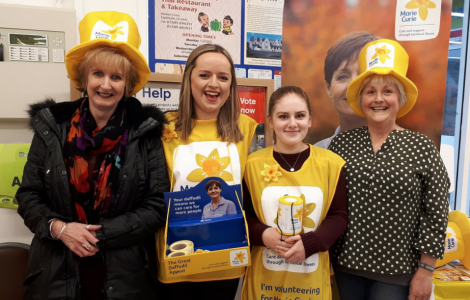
(457, 7)
(13, 157)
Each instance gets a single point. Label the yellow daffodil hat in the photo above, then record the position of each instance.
(108, 29)
(383, 57)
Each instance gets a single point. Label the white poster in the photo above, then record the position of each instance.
(263, 28)
(417, 20)
(183, 25)
(164, 95)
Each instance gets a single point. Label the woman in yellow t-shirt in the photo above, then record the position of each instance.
(206, 137)
(286, 266)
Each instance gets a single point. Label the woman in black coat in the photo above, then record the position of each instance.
(92, 190)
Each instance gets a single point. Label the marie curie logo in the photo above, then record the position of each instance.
(380, 55)
(239, 257)
(452, 243)
(119, 33)
(423, 7)
(417, 20)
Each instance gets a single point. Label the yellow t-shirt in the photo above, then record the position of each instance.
(315, 182)
(204, 155)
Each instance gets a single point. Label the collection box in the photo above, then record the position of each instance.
(206, 229)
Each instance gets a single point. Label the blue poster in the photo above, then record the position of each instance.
(209, 215)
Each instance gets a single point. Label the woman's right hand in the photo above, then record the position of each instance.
(272, 238)
(75, 235)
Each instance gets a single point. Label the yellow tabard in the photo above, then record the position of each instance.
(203, 155)
(271, 276)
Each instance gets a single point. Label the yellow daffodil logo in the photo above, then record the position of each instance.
(271, 173)
(240, 257)
(307, 211)
(169, 131)
(299, 214)
(114, 32)
(423, 6)
(211, 166)
(381, 53)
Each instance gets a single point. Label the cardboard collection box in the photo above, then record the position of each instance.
(215, 234)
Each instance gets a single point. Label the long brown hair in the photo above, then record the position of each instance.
(227, 120)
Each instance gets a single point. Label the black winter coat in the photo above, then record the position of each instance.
(127, 236)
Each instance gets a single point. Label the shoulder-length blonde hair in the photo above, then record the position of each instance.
(227, 120)
(110, 57)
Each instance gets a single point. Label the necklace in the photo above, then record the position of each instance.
(291, 167)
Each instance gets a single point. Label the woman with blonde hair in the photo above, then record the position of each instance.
(397, 187)
(206, 137)
(92, 190)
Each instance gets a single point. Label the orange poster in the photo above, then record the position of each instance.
(312, 27)
(252, 102)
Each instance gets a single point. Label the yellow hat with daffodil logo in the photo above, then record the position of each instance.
(382, 57)
(457, 242)
(108, 29)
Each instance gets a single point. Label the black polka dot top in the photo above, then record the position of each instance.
(397, 201)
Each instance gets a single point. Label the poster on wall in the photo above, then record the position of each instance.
(252, 102)
(263, 27)
(165, 96)
(415, 21)
(337, 28)
(185, 25)
(250, 30)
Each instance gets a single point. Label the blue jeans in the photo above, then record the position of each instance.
(353, 287)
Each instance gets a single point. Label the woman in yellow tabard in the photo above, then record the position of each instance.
(283, 266)
(206, 137)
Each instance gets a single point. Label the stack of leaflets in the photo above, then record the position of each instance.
(453, 271)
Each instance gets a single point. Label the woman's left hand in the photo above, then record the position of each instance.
(295, 254)
(421, 285)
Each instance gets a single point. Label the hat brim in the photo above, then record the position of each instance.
(355, 85)
(77, 53)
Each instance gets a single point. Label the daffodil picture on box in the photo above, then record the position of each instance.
(240, 257)
(423, 6)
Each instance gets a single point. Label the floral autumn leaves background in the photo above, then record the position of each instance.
(311, 27)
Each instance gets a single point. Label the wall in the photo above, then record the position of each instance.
(15, 130)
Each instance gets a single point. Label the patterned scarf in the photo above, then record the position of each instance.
(93, 158)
